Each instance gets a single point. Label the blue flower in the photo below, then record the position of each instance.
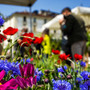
(79, 79)
(27, 60)
(8, 66)
(61, 85)
(83, 64)
(1, 21)
(61, 69)
(39, 74)
(85, 74)
(38, 78)
(85, 86)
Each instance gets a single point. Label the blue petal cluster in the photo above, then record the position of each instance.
(1, 21)
(85, 86)
(8, 66)
(61, 69)
(39, 74)
(85, 75)
(83, 64)
(79, 79)
(61, 85)
(27, 60)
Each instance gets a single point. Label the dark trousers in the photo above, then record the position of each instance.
(78, 47)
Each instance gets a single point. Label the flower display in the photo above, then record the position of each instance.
(1, 21)
(28, 79)
(7, 85)
(27, 70)
(10, 31)
(85, 86)
(8, 66)
(61, 85)
(55, 51)
(35, 71)
(25, 83)
(63, 56)
(77, 57)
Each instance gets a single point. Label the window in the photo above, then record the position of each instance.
(45, 20)
(34, 20)
(24, 19)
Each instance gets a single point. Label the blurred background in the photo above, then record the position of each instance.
(40, 14)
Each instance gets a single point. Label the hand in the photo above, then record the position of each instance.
(61, 21)
(19, 40)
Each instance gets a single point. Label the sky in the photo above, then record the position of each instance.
(52, 5)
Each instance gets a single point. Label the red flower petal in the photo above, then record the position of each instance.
(2, 38)
(10, 31)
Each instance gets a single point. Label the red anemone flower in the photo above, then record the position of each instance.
(10, 31)
(63, 56)
(27, 39)
(38, 40)
(2, 38)
(55, 51)
(77, 57)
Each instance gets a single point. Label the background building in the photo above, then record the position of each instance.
(22, 19)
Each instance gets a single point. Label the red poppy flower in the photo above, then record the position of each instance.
(55, 51)
(2, 38)
(77, 57)
(26, 40)
(63, 56)
(31, 59)
(38, 40)
(10, 31)
(58, 61)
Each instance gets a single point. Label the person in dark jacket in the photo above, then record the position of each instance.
(74, 27)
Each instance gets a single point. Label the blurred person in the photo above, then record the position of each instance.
(22, 49)
(74, 28)
(46, 43)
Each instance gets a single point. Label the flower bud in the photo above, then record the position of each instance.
(46, 81)
(8, 56)
(19, 58)
(25, 56)
(47, 71)
(69, 77)
(9, 40)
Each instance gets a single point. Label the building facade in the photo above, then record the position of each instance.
(22, 19)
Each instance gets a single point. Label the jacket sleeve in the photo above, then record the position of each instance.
(68, 26)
